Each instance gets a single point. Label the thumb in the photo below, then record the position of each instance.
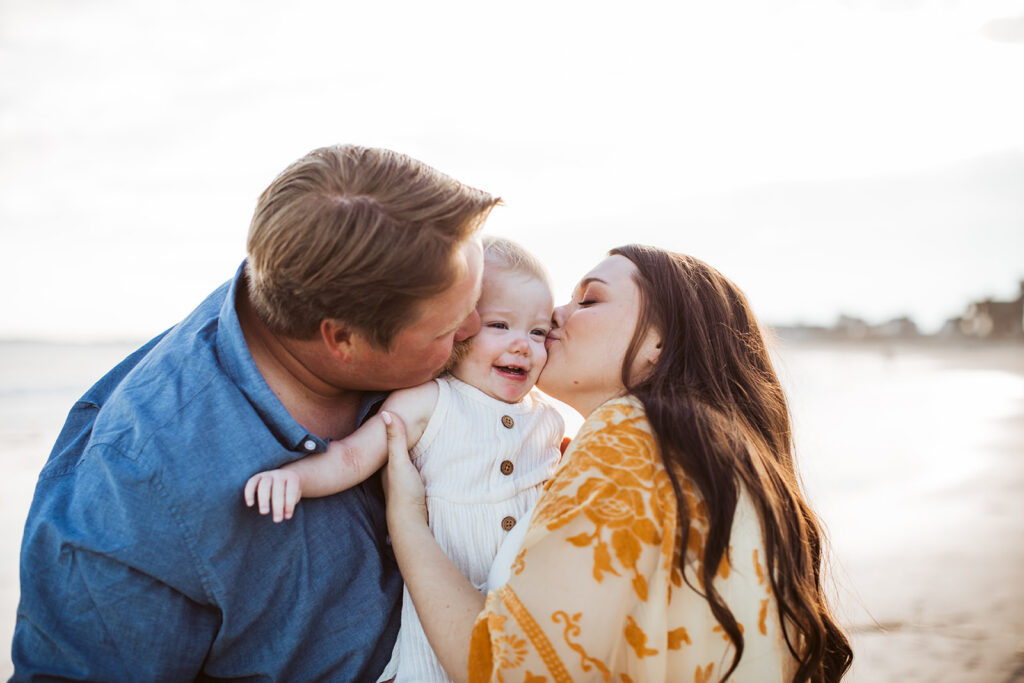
(397, 443)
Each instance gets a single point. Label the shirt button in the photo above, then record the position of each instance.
(507, 421)
(508, 523)
(309, 445)
(507, 467)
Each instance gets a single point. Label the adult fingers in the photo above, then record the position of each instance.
(397, 442)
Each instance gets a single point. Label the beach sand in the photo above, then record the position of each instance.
(912, 454)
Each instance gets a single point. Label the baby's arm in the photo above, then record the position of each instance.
(345, 463)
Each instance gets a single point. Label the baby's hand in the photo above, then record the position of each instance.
(279, 490)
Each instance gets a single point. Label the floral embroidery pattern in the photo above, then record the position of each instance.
(637, 639)
(572, 630)
(703, 675)
(535, 633)
(517, 564)
(614, 489)
(596, 591)
(762, 580)
(509, 650)
(676, 638)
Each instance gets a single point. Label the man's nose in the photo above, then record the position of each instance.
(469, 327)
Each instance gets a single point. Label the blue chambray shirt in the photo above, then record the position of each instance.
(140, 560)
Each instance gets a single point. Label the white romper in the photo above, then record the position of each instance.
(483, 462)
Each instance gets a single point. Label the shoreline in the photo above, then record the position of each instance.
(916, 471)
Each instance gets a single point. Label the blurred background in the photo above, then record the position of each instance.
(857, 167)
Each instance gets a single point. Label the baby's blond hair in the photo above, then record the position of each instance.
(510, 255)
(507, 255)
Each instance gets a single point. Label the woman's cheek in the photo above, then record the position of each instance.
(548, 372)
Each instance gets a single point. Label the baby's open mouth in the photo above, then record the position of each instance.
(511, 370)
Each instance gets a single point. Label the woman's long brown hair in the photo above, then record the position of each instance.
(720, 416)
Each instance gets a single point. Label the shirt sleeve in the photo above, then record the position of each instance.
(592, 559)
(105, 595)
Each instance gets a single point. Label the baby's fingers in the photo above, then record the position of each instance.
(277, 499)
(292, 494)
(250, 490)
(257, 490)
(264, 489)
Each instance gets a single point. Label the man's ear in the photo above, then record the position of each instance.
(338, 338)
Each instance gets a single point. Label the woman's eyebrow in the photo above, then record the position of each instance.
(583, 283)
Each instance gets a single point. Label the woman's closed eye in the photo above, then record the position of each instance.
(587, 297)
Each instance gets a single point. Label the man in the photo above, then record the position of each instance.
(140, 560)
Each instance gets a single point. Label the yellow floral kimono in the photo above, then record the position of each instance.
(596, 592)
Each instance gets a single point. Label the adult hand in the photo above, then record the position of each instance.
(403, 487)
(448, 604)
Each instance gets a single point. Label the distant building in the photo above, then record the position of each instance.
(990, 319)
(984, 320)
(897, 328)
(849, 327)
(952, 327)
(802, 332)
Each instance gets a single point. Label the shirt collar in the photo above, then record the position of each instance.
(238, 363)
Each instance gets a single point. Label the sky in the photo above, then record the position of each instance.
(859, 157)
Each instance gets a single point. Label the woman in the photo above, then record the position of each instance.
(673, 542)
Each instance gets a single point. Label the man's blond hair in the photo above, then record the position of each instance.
(360, 235)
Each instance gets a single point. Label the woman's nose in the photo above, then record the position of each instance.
(559, 316)
(469, 327)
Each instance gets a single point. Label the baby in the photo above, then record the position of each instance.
(483, 441)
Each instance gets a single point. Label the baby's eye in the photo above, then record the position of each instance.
(498, 325)
(540, 332)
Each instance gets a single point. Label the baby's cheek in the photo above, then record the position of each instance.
(540, 356)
